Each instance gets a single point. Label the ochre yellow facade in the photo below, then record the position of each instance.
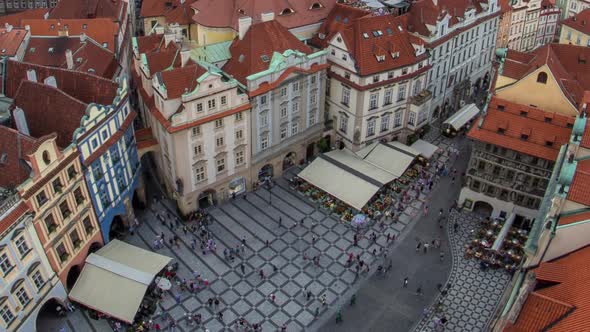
(547, 96)
(572, 36)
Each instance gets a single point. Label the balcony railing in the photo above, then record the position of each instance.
(421, 97)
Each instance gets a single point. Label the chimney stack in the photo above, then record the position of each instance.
(169, 37)
(244, 24)
(69, 59)
(185, 54)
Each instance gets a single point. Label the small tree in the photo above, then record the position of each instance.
(323, 145)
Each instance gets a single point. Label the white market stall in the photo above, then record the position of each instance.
(458, 120)
(115, 279)
(426, 149)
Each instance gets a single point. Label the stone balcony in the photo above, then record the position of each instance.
(421, 98)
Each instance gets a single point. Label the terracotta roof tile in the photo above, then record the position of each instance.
(570, 275)
(20, 210)
(16, 146)
(88, 9)
(88, 56)
(425, 13)
(85, 87)
(162, 60)
(181, 80)
(10, 41)
(505, 114)
(580, 187)
(574, 218)
(16, 18)
(340, 17)
(579, 22)
(253, 53)
(102, 30)
(175, 11)
(538, 313)
(372, 36)
(50, 111)
(150, 43)
(570, 65)
(225, 13)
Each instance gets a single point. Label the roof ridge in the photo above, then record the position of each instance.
(43, 85)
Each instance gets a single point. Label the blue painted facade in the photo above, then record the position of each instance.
(110, 158)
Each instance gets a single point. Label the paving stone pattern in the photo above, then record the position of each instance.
(474, 294)
(247, 295)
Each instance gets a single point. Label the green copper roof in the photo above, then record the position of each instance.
(212, 53)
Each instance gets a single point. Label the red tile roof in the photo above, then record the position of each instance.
(88, 9)
(16, 18)
(151, 43)
(373, 36)
(579, 190)
(570, 65)
(50, 111)
(88, 56)
(10, 41)
(515, 125)
(573, 218)
(340, 17)
(564, 306)
(181, 80)
(20, 210)
(425, 12)
(580, 21)
(175, 11)
(16, 146)
(164, 59)
(85, 87)
(102, 30)
(225, 13)
(261, 40)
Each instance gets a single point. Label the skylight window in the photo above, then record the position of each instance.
(399, 27)
(389, 31)
(264, 58)
(337, 18)
(345, 20)
(365, 35)
(375, 33)
(380, 33)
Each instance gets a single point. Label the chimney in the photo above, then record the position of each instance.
(185, 54)
(169, 37)
(32, 75)
(82, 37)
(244, 24)
(267, 16)
(69, 59)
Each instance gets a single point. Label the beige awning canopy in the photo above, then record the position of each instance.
(462, 116)
(114, 280)
(340, 183)
(427, 150)
(355, 178)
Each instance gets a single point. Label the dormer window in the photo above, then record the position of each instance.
(380, 58)
(316, 5)
(524, 137)
(542, 77)
(524, 113)
(501, 130)
(287, 11)
(548, 143)
(395, 55)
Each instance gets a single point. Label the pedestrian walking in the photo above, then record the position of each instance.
(455, 227)
(216, 302)
(339, 316)
(280, 221)
(353, 300)
(324, 300)
(273, 297)
(220, 316)
(261, 273)
(405, 282)
(419, 290)
(317, 311)
(210, 302)
(243, 268)
(425, 210)
(177, 297)
(442, 256)
(308, 295)
(426, 246)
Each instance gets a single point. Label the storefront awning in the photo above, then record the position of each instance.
(425, 149)
(393, 157)
(464, 115)
(341, 183)
(355, 178)
(114, 280)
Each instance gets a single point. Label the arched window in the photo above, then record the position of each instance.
(542, 77)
